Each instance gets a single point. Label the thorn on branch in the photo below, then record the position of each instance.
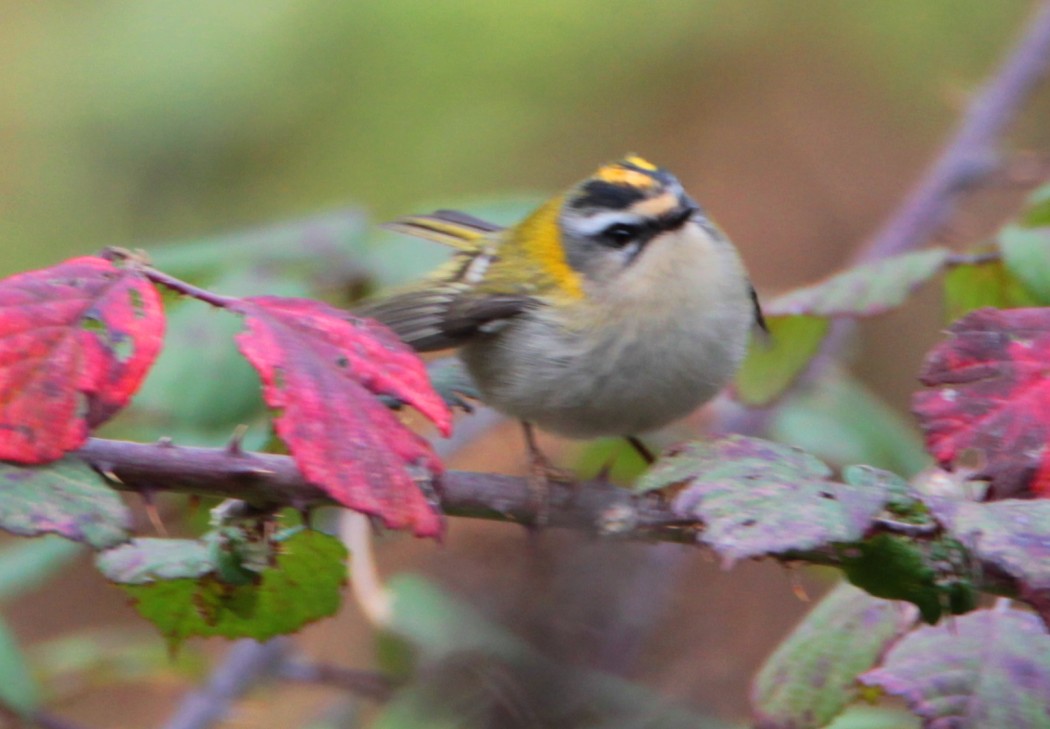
(797, 587)
(235, 446)
(150, 505)
(250, 472)
(619, 518)
(109, 474)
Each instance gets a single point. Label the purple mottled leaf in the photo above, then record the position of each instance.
(990, 668)
(1013, 534)
(65, 497)
(812, 675)
(756, 497)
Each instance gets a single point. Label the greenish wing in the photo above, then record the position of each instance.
(449, 310)
(444, 316)
(447, 227)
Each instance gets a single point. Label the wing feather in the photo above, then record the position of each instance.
(450, 309)
(444, 316)
(448, 227)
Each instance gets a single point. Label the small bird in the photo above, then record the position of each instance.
(615, 308)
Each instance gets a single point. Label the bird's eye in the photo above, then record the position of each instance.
(620, 234)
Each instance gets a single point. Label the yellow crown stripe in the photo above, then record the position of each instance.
(624, 176)
(617, 175)
(641, 162)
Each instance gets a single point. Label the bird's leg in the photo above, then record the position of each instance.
(541, 473)
(641, 448)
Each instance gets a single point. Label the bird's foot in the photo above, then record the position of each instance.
(542, 473)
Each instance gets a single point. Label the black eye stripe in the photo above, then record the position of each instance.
(607, 196)
(676, 219)
(618, 235)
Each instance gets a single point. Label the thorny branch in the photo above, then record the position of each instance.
(266, 480)
(270, 481)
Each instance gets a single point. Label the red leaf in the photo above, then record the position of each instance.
(322, 367)
(76, 341)
(994, 398)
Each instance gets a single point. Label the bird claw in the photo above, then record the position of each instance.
(541, 474)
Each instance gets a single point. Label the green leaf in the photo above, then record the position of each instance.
(18, 688)
(66, 498)
(27, 563)
(110, 655)
(875, 717)
(1037, 213)
(841, 421)
(614, 457)
(756, 497)
(1025, 248)
(329, 243)
(811, 676)
(293, 259)
(146, 560)
(972, 286)
(304, 585)
(773, 362)
(990, 668)
(200, 340)
(865, 290)
(1026, 255)
(891, 567)
(798, 320)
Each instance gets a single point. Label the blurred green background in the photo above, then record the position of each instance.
(798, 123)
(133, 122)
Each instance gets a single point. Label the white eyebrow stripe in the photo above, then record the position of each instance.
(596, 223)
